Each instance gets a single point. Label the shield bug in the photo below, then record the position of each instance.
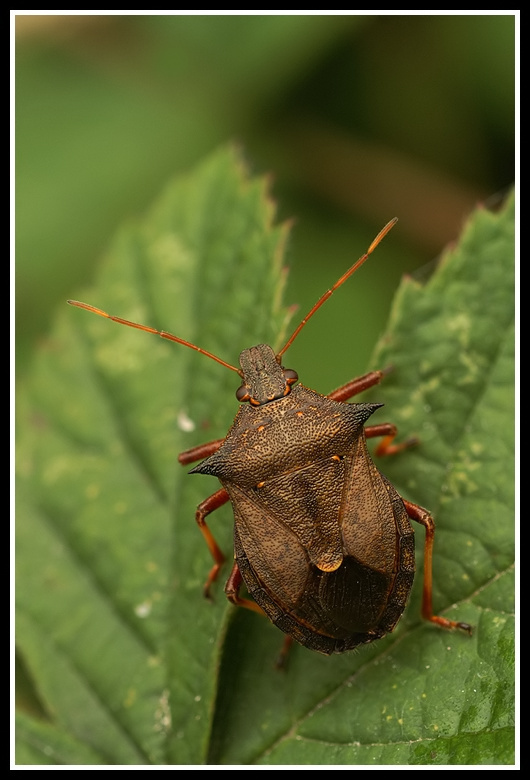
(322, 541)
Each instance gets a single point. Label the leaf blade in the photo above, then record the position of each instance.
(348, 709)
(106, 505)
(110, 512)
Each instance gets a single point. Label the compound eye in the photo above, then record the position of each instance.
(290, 376)
(242, 394)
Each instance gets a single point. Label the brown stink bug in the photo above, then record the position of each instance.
(322, 541)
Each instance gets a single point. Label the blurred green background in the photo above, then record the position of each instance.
(357, 118)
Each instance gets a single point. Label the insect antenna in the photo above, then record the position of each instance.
(162, 333)
(382, 233)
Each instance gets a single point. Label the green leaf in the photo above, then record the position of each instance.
(129, 663)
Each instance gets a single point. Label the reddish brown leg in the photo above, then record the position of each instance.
(421, 516)
(357, 386)
(232, 588)
(199, 452)
(389, 431)
(281, 661)
(205, 508)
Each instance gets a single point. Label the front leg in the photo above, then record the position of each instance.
(356, 386)
(388, 430)
(200, 452)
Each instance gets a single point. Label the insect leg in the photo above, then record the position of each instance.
(232, 588)
(205, 508)
(389, 431)
(423, 517)
(281, 661)
(199, 452)
(356, 386)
